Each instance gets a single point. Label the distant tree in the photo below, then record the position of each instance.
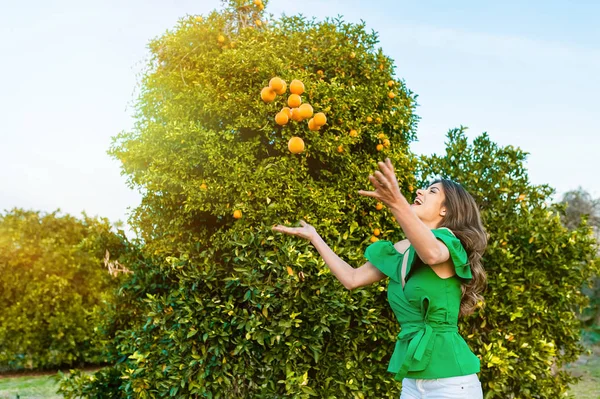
(54, 288)
(579, 206)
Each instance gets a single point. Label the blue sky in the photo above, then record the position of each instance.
(525, 73)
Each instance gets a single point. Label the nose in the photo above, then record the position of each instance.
(420, 192)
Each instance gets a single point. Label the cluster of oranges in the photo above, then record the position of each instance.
(295, 111)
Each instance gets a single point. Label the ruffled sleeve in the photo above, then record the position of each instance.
(457, 252)
(384, 256)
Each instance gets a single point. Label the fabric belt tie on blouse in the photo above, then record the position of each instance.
(420, 336)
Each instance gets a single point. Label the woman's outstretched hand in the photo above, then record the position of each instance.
(386, 185)
(306, 231)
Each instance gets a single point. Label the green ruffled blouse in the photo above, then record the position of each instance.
(429, 345)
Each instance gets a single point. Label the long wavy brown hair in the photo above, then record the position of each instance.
(464, 220)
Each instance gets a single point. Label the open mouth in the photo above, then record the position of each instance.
(418, 201)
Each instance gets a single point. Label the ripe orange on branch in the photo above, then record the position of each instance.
(306, 110)
(277, 85)
(237, 214)
(267, 95)
(296, 115)
(296, 145)
(296, 87)
(320, 119)
(294, 100)
(282, 118)
(312, 126)
(287, 111)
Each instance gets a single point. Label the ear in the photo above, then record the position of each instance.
(443, 211)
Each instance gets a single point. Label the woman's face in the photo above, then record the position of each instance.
(428, 205)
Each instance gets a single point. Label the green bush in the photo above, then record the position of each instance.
(220, 307)
(53, 288)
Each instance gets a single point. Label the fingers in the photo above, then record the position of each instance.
(283, 229)
(387, 169)
(373, 194)
(382, 180)
(389, 163)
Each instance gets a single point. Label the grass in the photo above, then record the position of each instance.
(588, 367)
(29, 387)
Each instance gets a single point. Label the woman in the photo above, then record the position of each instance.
(434, 275)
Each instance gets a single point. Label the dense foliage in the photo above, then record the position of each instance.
(54, 288)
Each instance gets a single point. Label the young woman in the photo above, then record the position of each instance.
(435, 275)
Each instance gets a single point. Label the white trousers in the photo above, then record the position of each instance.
(463, 387)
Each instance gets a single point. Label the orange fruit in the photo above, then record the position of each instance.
(258, 3)
(282, 118)
(320, 119)
(276, 84)
(296, 116)
(352, 54)
(320, 72)
(199, 19)
(294, 100)
(378, 120)
(312, 126)
(306, 110)
(379, 147)
(381, 136)
(296, 87)
(411, 188)
(376, 232)
(390, 83)
(391, 94)
(283, 88)
(386, 143)
(267, 95)
(379, 206)
(340, 149)
(296, 145)
(258, 22)
(353, 133)
(374, 239)
(221, 39)
(203, 186)
(237, 214)
(369, 119)
(288, 111)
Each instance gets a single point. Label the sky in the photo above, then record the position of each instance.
(527, 73)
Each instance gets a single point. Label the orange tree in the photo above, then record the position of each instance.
(54, 289)
(223, 307)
